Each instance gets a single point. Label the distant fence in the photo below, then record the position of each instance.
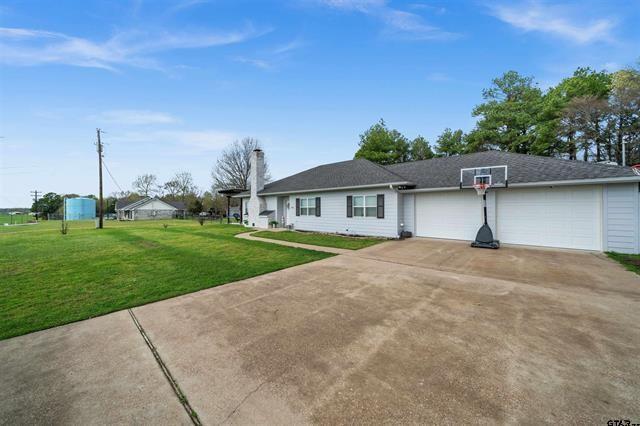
(16, 219)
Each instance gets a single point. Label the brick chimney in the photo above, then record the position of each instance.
(256, 180)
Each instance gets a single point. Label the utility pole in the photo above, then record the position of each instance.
(34, 194)
(624, 153)
(99, 145)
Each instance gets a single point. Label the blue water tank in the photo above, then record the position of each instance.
(80, 208)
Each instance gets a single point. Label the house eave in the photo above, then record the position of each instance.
(571, 182)
(337, 188)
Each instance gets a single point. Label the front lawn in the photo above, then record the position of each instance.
(629, 261)
(327, 240)
(49, 279)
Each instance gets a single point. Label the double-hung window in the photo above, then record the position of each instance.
(364, 206)
(308, 206)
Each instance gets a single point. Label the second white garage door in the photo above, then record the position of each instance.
(567, 217)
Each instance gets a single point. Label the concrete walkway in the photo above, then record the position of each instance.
(248, 236)
(404, 332)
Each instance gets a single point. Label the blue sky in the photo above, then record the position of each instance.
(173, 82)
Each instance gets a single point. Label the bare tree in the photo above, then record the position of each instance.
(146, 184)
(233, 166)
(180, 186)
(582, 121)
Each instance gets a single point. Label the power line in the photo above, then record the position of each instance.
(111, 175)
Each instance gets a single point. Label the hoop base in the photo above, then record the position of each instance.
(484, 238)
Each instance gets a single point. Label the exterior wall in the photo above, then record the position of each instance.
(621, 218)
(146, 214)
(409, 210)
(155, 205)
(334, 218)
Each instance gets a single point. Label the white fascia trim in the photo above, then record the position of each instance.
(340, 188)
(538, 184)
(577, 182)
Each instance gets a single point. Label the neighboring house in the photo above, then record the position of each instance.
(548, 201)
(148, 208)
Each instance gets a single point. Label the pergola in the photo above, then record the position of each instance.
(230, 193)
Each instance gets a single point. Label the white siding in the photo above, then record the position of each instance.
(156, 205)
(409, 208)
(621, 218)
(334, 218)
(271, 202)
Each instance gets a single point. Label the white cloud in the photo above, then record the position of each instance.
(358, 5)
(287, 47)
(23, 46)
(196, 140)
(555, 20)
(397, 23)
(270, 59)
(136, 117)
(258, 63)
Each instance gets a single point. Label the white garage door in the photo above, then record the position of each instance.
(455, 215)
(568, 217)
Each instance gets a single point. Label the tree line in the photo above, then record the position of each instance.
(589, 116)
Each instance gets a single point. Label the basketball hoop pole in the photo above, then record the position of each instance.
(484, 206)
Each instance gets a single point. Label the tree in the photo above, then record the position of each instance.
(146, 184)
(450, 143)
(49, 203)
(234, 165)
(180, 186)
(582, 125)
(420, 149)
(625, 114)
(383, 146)
(509, 116)
(563, 127)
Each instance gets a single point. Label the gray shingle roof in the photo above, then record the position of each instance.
(125, 202)
(180, 205)
(445, 172)
(344, 174)
(135, 201)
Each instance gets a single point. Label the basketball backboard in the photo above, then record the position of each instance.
(494, 176)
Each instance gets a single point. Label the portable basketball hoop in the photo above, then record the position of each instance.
(484, 237)
(481, 188)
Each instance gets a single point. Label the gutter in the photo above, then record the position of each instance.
(339, 188)
(538, 184)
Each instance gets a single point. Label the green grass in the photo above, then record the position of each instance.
(327, 240)
(19, 218)
(49, 279)
(629, 261)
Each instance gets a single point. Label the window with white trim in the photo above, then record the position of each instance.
(364, 205)
(308, 206)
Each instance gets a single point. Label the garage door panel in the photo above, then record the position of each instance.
(453, 215)
(556, 217)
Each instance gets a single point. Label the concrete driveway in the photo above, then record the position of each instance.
(417, 331)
